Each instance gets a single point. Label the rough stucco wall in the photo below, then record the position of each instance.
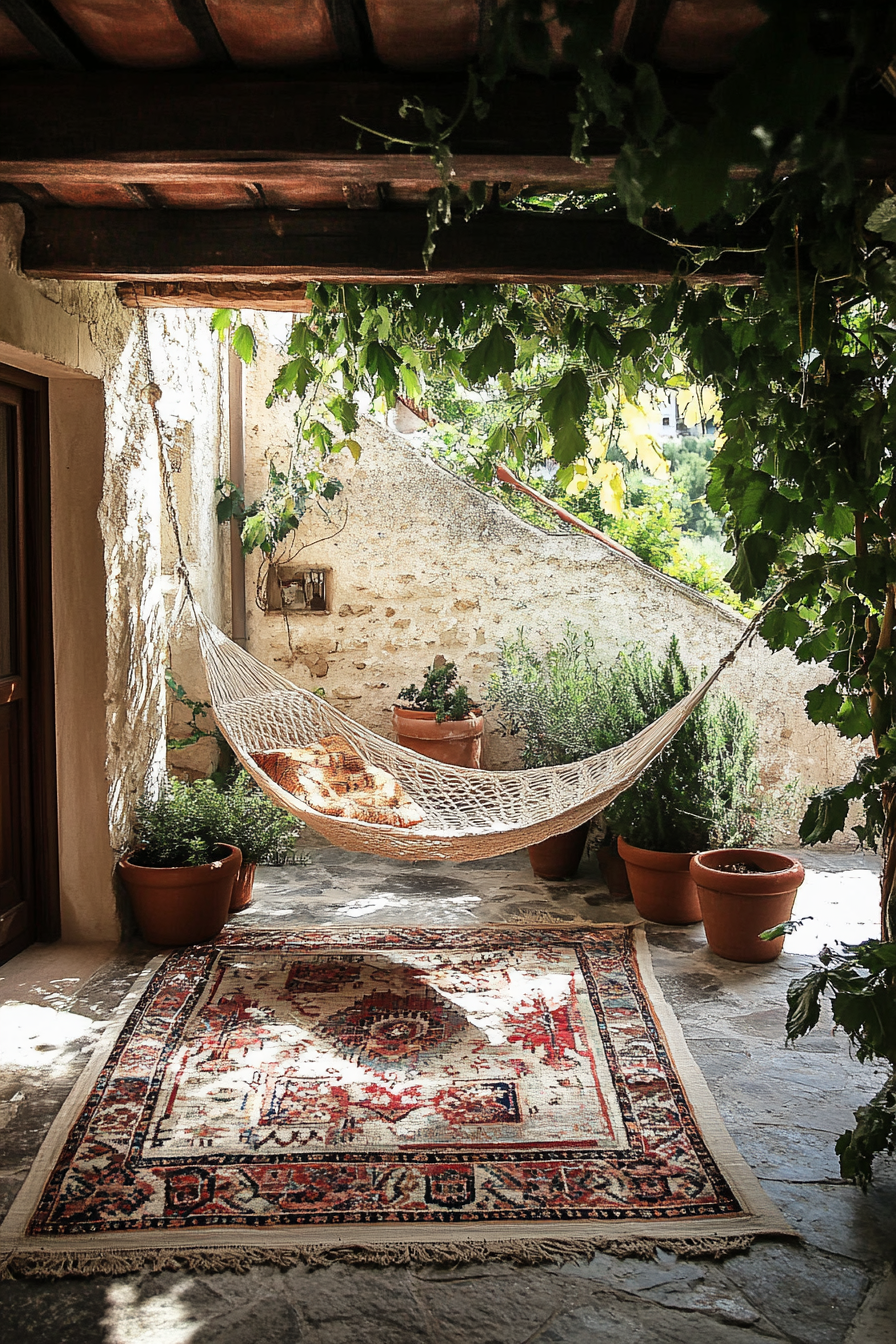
(427, 564)
(76, 329)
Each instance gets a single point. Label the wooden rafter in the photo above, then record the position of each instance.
(273, 296)
(351, 28)
(645, 24)
(38, 21)
(197, 20)
(352, 246)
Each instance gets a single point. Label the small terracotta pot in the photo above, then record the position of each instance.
(662, 887)
(453, 741)
(614, 871)
(737, 907)
(176, 906)
(557, 858)
(242, 887)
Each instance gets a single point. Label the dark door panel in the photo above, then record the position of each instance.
(28, 884)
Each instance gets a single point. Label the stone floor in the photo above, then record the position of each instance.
(784, 1108)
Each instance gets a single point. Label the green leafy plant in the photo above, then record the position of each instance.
(701, 791)
(197, 732)
(185, 825)
(439, 694)
(555, 699)
(177, 826)
(860, 981)
(261, 831)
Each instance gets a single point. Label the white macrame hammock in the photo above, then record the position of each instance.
(467, 814)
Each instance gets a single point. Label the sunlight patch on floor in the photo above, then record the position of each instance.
(31, 1034)
(390, 900)
(843, 907)
(164, 1319)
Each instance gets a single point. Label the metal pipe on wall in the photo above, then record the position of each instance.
(236, 424)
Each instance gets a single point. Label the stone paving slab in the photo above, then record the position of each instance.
(784, 1108)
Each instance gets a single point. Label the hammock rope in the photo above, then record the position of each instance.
(468, 814)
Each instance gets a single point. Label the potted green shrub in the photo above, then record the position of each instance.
(556, 701)
(258, 828)
(439, 719)
(701, 791)
(179, 875)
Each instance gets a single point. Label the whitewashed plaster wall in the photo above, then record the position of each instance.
(111, 560)
(424, 563)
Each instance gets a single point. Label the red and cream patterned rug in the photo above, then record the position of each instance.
(387, 1094)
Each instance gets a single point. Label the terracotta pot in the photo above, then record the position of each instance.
(242, 887)
(558, 858)
(453, 741)
(737, 907)
(176, 906)
(662, 887)
(614, 871)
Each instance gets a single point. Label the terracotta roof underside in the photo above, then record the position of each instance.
(200, 143)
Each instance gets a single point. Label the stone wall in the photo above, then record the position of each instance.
(423, 563)
(112, 561)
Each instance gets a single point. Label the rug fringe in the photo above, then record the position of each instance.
(240, 1259)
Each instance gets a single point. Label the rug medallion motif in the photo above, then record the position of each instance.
(314, 1079)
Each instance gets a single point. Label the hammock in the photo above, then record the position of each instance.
(468, 814)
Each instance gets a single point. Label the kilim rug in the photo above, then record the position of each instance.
(383, 1095)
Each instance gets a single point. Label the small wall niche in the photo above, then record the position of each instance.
(300, 590)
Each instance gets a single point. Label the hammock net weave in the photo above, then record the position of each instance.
(468, 814)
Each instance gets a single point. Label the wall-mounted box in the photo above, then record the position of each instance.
(300, 590)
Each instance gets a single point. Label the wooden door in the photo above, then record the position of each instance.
(28, 877)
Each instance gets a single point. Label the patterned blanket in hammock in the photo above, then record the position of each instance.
(333, 778)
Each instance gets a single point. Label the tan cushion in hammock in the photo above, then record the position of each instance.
(331, 777)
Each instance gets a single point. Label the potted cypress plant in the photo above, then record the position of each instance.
(701, 790)
(258, 828)
(439, 719)
(179, 876)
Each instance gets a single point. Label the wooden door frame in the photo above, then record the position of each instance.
(37, 628)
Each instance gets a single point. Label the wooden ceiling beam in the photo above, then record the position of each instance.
(58, 44)
(351, 246)
(269, 296)
(252, 126)
(226, 115)
(410, 170)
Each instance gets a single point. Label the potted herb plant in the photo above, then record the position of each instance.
(439, 719)
(702, 789)
(555, 700)
(180, 879)
(258, 828)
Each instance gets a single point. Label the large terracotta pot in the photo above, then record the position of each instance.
(453, 741)
(242, 887)
(176, 906)
(558, 857)
(662, 887)
(737, 907)
(613, 871)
